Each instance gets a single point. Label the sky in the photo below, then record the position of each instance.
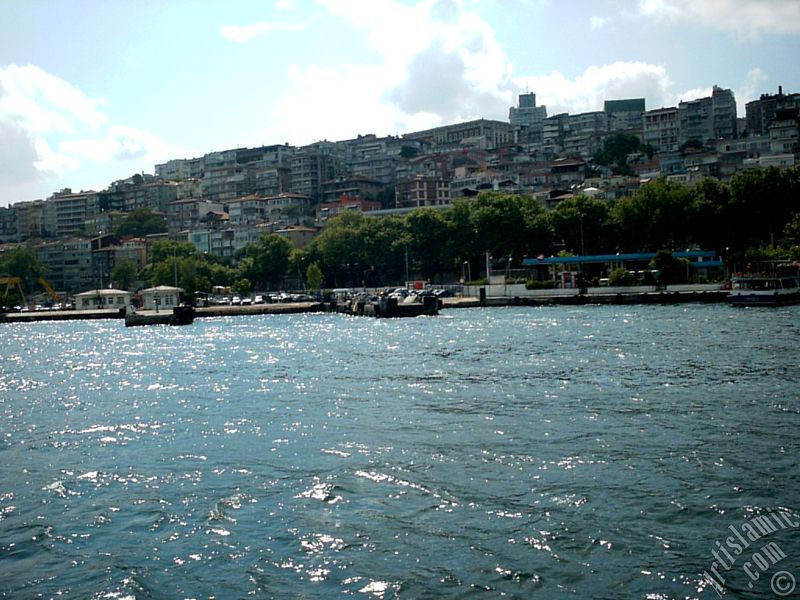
(93, 91)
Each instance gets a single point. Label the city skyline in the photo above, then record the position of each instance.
(124, 87)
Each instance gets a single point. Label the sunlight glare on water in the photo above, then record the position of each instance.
(586, 451)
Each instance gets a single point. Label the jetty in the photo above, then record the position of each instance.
(473, 297)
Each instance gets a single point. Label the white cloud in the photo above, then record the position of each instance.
(245, 33)
(747, 18)
(44, 103)
(587, 91)
(50, 129)
(751, 88)
(451, 68)
(596, 22)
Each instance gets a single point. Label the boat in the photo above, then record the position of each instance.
(180, 315)
(411, 306)
(764, 290)
(388, 307)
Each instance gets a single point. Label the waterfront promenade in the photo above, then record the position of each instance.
(502, 296)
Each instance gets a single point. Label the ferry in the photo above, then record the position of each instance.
(764, 290)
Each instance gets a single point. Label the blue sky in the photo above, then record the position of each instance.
(93, 91)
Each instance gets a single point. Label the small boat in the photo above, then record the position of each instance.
(180, 315)
(411, 306)
(764, 290)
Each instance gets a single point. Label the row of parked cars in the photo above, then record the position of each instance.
(258, 299)
(39, 307)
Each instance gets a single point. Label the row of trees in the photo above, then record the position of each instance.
(754, 216)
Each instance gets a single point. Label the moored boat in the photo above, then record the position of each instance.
(180, 315)
(764, 290)
(412, 306)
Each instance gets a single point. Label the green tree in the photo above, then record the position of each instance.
(141, 222)
(341, 247)
(709, 215)
(582, 224)
(124, 273)
(656, 216)
(428, 232)
(166, 249)
(791, 232)
(22, 262)
(615, 151)
(242, 286)
(620, 277)
(314, 277)
(763, 202)
(269, 260)
(671, 270)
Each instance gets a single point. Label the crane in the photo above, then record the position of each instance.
(13, 283)
(51, 293)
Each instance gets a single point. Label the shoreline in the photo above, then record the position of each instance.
(660, 297)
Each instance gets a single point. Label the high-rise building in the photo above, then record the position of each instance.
(707, 120)
(624, 115)
(760, 113)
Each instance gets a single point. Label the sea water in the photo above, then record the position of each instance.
(597, 451)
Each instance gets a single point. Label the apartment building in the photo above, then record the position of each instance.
(661, 129)
(624, 115)
(481, 133)
(69, 264)
(708, 119)
(760, 113)
(180, 169)
(422, 191)
(139, 192)
(784, 131)
(327, 210)
(65, 212)
(188, 214)
(312, 165)
(370, 189)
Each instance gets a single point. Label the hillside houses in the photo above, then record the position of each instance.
(224, 199)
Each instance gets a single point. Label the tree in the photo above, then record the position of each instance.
(582, 224)
(124, 273)
(656, 216)
(314, 277)
(671, 270)
(269, 260)
(22, 262)
(242, 286)
(763, 202)
(141, 222)
(616, 149)
(428, 231)
(621, 277)
(709, 218)
(166, 249)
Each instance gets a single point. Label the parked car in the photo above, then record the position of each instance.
(259, 299)
(236, 300)
(246, 301)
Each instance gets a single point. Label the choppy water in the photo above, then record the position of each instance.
(549, 452)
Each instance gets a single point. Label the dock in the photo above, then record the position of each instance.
(594, 296)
